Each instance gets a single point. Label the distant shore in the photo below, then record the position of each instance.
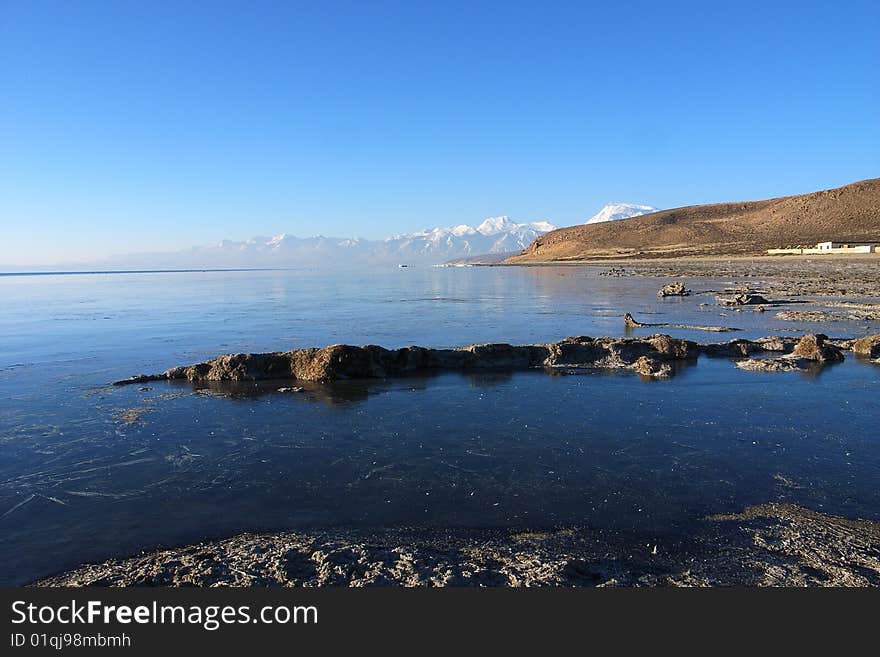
(636, 261)
(855, 276)
(86, 272)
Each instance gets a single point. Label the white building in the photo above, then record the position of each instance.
(857, 247)
(847, 248)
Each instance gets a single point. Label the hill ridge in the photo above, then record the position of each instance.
(847, 213)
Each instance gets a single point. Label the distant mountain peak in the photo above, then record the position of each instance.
(617, 211)
(433, 245)
(495, 225)
(274, 241)
(500, 226)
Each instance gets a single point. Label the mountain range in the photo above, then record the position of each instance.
(496, 237)
(430, 246)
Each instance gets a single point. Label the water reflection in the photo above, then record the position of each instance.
(89, 472)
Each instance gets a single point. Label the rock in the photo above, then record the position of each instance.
(350, 362)
(630, 322)
(868, 346)
(653, 356)
(652, 367)
(742, 299)
(776, 343)
(808, 316)
(614, 353)
(810, 352)
(730, 349)
(775, 364)
(672, 348)
(743, 348)
(815, 347)
(140, 378)
(676, 289)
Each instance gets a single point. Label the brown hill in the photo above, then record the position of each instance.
(850, 213)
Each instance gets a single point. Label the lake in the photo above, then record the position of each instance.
(89, 471)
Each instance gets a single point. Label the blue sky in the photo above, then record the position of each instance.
(133, 126)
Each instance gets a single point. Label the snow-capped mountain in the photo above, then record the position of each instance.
(494, 235)
(617, 211)
(429, 246)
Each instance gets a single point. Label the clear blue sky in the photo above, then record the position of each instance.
(132, 126)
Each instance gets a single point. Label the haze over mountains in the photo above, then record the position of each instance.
(845, 214)
(435, 245)
(498, 237)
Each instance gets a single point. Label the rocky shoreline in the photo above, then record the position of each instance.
(765, 545)
(654, 356)
(793, 276)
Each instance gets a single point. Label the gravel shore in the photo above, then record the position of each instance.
(765, 545)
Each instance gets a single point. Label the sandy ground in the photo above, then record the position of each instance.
(766, 545)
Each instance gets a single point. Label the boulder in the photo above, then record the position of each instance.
(776, 343)
(742, 299)
(815, 347)
(729, 349)
(652, 367)
(744, 348)
(673, 348)
(630, 322)
(868, 346)
(775, 364)
(676, 289)
(810, 353)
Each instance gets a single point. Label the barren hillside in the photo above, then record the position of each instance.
(845, 213)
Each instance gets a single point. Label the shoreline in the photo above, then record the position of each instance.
(803, 276)
(764, 545)
(872, 258)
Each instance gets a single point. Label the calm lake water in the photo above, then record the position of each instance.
(89, 471)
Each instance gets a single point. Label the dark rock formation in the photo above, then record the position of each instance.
(140, 378)
(654, 356)
(350, 362)
(810, 352)
(744, 348)
(630, 322)
(742, 299)
(816, 347)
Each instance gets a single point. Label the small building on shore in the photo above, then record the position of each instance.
(828, 248)
(861, 247)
